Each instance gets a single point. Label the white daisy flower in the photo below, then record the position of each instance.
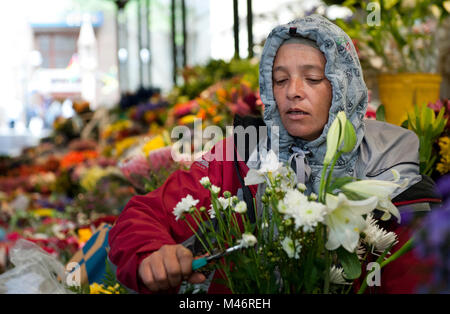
(337, 276)
(184, 206)
(248, 240)
(241, 207)
(379, 238)
(205, 182)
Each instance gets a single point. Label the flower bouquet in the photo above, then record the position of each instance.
(299, 243)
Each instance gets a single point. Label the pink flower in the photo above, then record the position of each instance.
(160, 158)
(136, 165)
(436, 106)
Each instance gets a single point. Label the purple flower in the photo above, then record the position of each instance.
(433, 241)
(443, 187)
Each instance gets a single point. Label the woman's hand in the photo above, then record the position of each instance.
(167, 268)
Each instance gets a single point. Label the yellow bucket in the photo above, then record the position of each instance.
(400, 92)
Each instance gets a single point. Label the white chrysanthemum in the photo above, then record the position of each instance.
(379, 238)
(361, 250)
(337, 276)
(215, 189)
(306, 214)
(241, 207)
(184, 206)
(211, 212)
(205, 182)
(225, 202)
(248, 240)
(292, 249)
(269, 164)
(301, 187)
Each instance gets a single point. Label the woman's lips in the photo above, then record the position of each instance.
(296, 114)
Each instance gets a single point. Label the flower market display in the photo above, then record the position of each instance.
(59, 194)
(60, 198)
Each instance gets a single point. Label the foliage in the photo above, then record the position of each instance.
(404, 40)
(428, 128)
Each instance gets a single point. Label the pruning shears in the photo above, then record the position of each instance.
(200, 262)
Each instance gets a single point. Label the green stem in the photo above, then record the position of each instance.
(198, 237)
(327, 183)
(403, 250)
(326, 285)
(322, 184)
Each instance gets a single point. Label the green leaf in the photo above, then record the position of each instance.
(350, 263)
(337, 183)
(381, 113)
(334, 139)
(349, 137)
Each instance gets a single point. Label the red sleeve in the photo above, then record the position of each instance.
(147, 222)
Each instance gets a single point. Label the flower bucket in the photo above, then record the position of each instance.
(399, 92)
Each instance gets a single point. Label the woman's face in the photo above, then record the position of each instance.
(302, 92)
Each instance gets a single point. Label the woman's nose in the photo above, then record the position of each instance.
(296, 88)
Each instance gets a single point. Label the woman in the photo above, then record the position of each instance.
(309, 71)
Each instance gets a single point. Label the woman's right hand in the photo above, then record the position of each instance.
(167, 268)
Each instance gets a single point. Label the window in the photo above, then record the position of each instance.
(56, 48)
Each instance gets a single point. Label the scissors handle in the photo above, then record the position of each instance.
(199, 263)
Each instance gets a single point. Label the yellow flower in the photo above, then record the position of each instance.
(154, 143)
(124, 144)
(444, 164)
(95, 288)
(84, 234)
(91, 176)
(44, 212)
(187, 119)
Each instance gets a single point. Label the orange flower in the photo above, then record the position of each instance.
(211, 110)
(76, 157)
(217, 119)
(201, 114)
(221, 94)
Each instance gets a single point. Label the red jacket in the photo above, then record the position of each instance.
(147, 223)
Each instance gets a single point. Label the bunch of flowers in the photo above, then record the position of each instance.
(299, 243)
(428, 126)
(403, 39)
(74, 158)
(149, 173)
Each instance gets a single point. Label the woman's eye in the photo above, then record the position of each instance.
(280, 82)
(314, 81)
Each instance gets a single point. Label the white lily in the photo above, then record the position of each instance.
(269, 164)
(381, 189)
(345, 221)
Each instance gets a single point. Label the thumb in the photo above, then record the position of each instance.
(196, 278)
